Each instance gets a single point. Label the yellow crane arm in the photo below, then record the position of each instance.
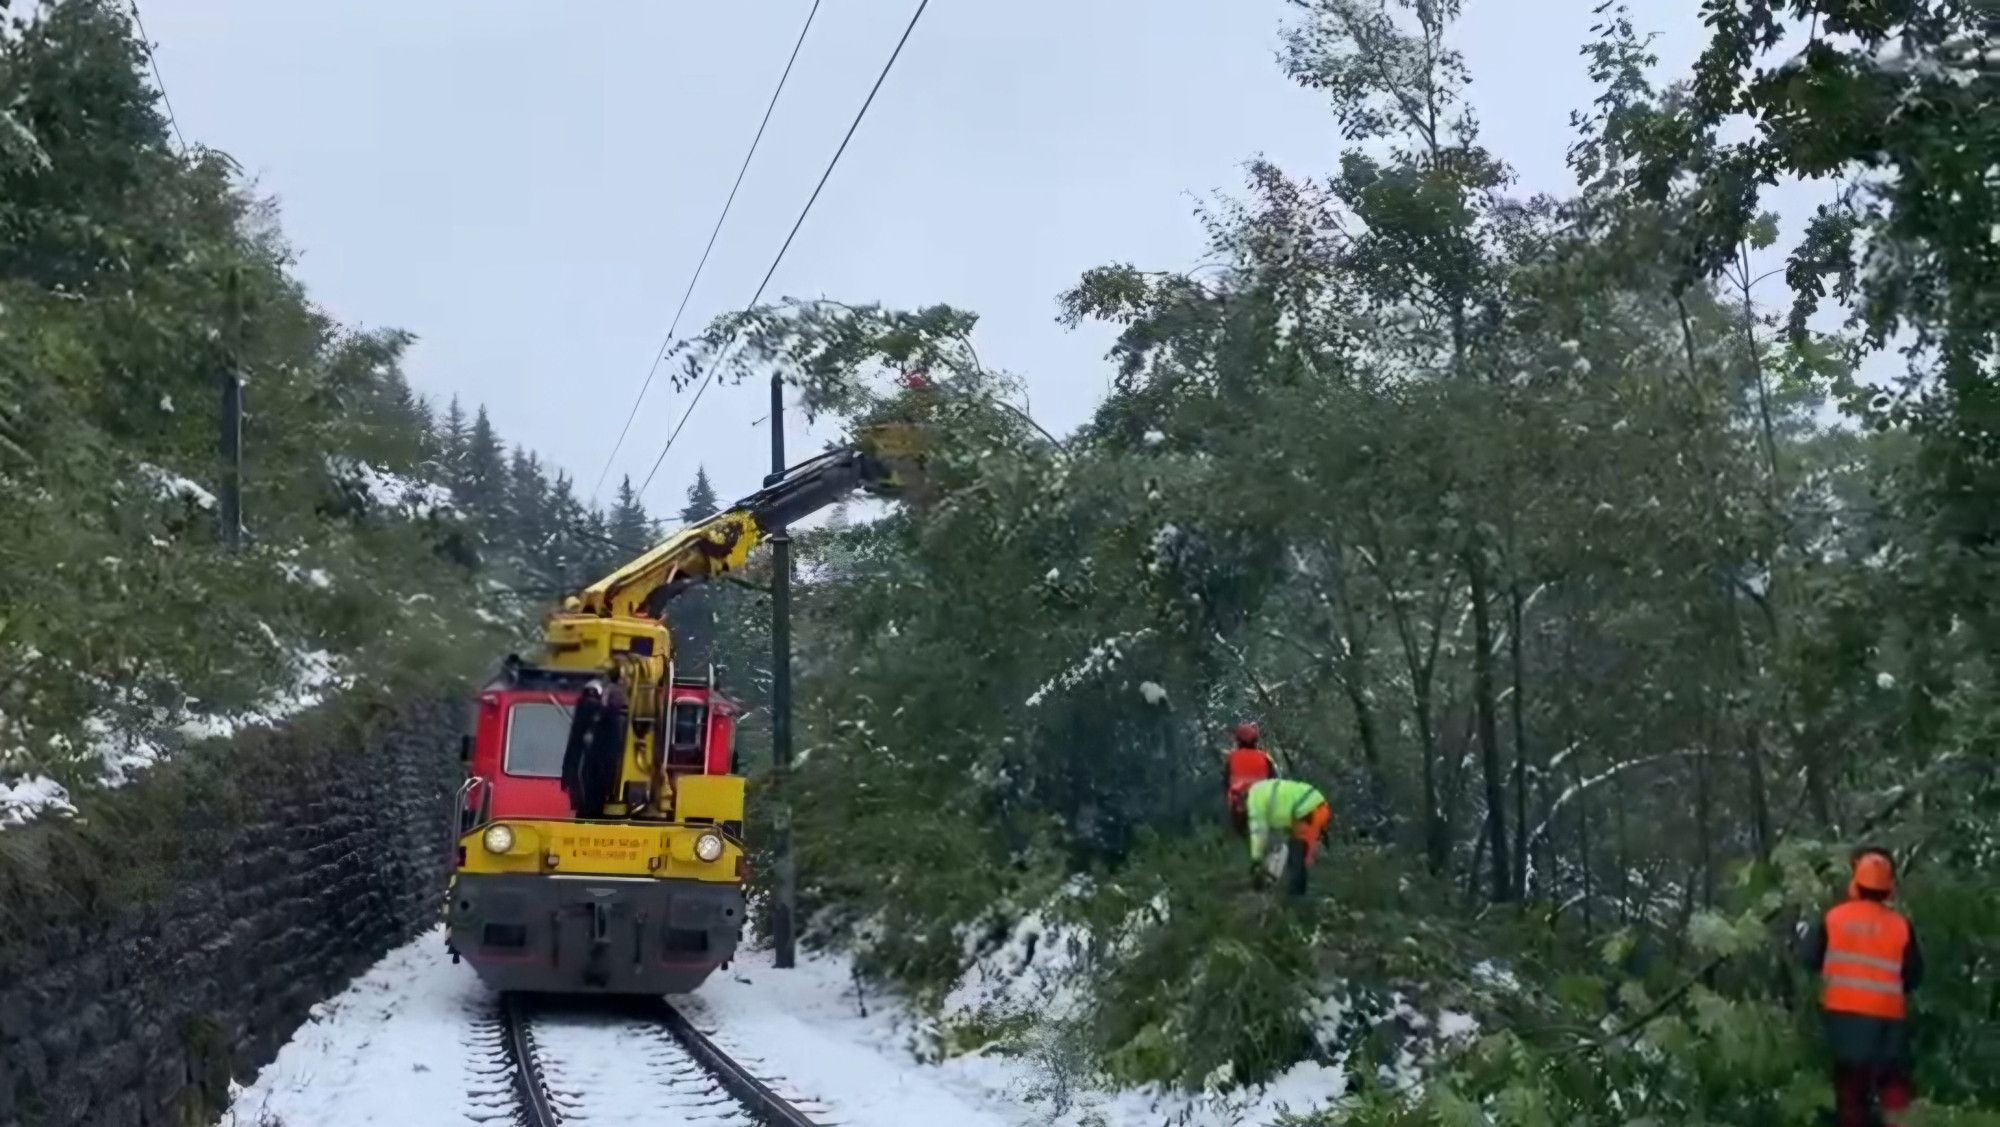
(703, 550)
(722, 543)
(616, 627)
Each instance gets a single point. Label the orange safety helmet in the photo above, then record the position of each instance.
(1874, 872)
(1247, 734)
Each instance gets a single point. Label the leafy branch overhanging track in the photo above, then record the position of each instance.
(540, 1097)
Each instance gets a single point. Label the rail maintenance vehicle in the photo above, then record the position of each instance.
(600, 824)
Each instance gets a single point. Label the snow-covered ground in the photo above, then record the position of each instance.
(409, 1043)
(394, 1048)
(858, 1053)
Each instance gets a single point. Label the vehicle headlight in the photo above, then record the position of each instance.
(498, 839)
(708, 846)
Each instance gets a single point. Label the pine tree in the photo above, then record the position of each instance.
(631, 530)
(701, 500)
(569, 556)
(453, 436)
(597, 550)
(482, 481)
(692, 617)
(527, 517)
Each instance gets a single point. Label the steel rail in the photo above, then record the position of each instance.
(519, 1043)
(756, 1096)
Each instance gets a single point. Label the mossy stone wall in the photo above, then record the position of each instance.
(176, 933)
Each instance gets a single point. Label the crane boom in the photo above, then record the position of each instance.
(722, 543)
(616, 621)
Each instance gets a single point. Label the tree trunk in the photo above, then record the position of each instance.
(1760, 803)
(1704, 827)
(1489, 728)
(1478, 855)
(1818, 797)
(1583, 865)
(1517, 707)
(1437, 847)
(1624, 852)
(1349, 654)
(1371, 753)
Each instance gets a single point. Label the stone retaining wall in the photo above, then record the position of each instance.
(178, 932)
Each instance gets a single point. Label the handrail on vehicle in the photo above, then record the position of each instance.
(481, 814)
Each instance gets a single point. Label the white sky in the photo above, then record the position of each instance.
(527, 186)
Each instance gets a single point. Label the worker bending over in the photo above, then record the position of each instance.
(1867, 957)
(1295, 809)
(1246, 764)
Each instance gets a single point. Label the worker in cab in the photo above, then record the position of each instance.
(1287, 818)
(1867, 958)
(1245, 764)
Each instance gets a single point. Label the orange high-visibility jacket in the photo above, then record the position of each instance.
(1246, 766)
(1862, 972)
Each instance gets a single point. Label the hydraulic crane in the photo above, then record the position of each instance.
(616, 628)
(600, 823)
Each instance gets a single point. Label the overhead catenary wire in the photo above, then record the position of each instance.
(715, 364)
(146, 44)
(674, 325)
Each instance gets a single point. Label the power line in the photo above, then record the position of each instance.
(717, 230)
(146, 44)
(800, 222)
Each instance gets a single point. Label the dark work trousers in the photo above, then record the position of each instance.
(1295, 867)
(1855, 1084)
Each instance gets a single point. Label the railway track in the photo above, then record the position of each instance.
(563, 1063)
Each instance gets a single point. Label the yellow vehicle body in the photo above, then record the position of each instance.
(560, 905)
(640, 889)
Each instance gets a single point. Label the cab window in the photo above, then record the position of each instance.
(689, 720)
(537, 732)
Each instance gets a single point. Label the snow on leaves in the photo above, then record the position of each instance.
(26, 799)
(1102, 658)
(170, 486)
(394, 492)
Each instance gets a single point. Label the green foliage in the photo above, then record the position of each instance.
(1224, 980)
(1519, 525)
(1516, 521)
(132, 277)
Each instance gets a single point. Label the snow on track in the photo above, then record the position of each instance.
(857, 1056)
(605, 1069)
(416, 1041)
(797, 1031)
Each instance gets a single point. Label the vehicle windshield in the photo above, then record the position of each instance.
(537, 731)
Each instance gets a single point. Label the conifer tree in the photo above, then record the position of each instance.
(701, 500)
(454, 434)
(527, 517)
(631, 529)
(483, 471)
(692, 616)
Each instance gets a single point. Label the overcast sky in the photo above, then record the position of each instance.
(528, 186)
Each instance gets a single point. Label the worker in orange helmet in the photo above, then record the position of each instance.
(1867, 957)
(1245, 765)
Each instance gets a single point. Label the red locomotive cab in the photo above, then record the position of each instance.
(517, 754)
(514, 765)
